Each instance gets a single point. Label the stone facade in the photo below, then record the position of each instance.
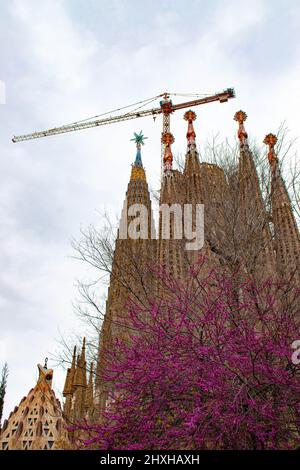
(79, 389)
(266, 244)
(37, 423)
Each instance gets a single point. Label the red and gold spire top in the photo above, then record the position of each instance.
(240, 117)
(168, 139)
(270, 140)
(190, 116)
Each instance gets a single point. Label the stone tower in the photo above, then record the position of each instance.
(78, 390)
(256, 237)
(37, 423)
(260, 251)
(170, 253)
(130, 278)
(286, 231)
(203, 183)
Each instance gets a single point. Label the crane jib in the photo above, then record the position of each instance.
(166, 108)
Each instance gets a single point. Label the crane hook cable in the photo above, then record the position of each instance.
(143, 102)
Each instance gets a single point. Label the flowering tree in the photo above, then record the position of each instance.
(208, 368)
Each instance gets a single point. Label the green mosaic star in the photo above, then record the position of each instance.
(139, 138)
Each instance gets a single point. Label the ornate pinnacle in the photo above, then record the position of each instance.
(167, 139)
(139, 140)
(89, 392)
(240, 117)
(190, 116)
(83, 350)
(74, 358)
(271, 140)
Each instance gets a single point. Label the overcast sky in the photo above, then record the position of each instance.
(64, 60)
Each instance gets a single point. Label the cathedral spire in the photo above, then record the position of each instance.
(240, 117)
(270, 140)
(130, 262)
(82, 357)
(89, 397)
(79, 386)
(192, 163)
(70, 376)
(80, 372)
(74, 359)
(190, 116)
(138, 172)
(69, 386)
(287, 237)
(254, 217)
(168, 139)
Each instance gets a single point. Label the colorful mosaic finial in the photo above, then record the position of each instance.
(167, 139)
(240, 117)
(190, 116)
(271, 140)
(139, 140)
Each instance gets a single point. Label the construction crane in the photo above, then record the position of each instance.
(166, 108)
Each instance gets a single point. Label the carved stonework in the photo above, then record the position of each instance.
(37, 423)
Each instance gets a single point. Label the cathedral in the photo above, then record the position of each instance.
(266, 243)
(266, 240)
